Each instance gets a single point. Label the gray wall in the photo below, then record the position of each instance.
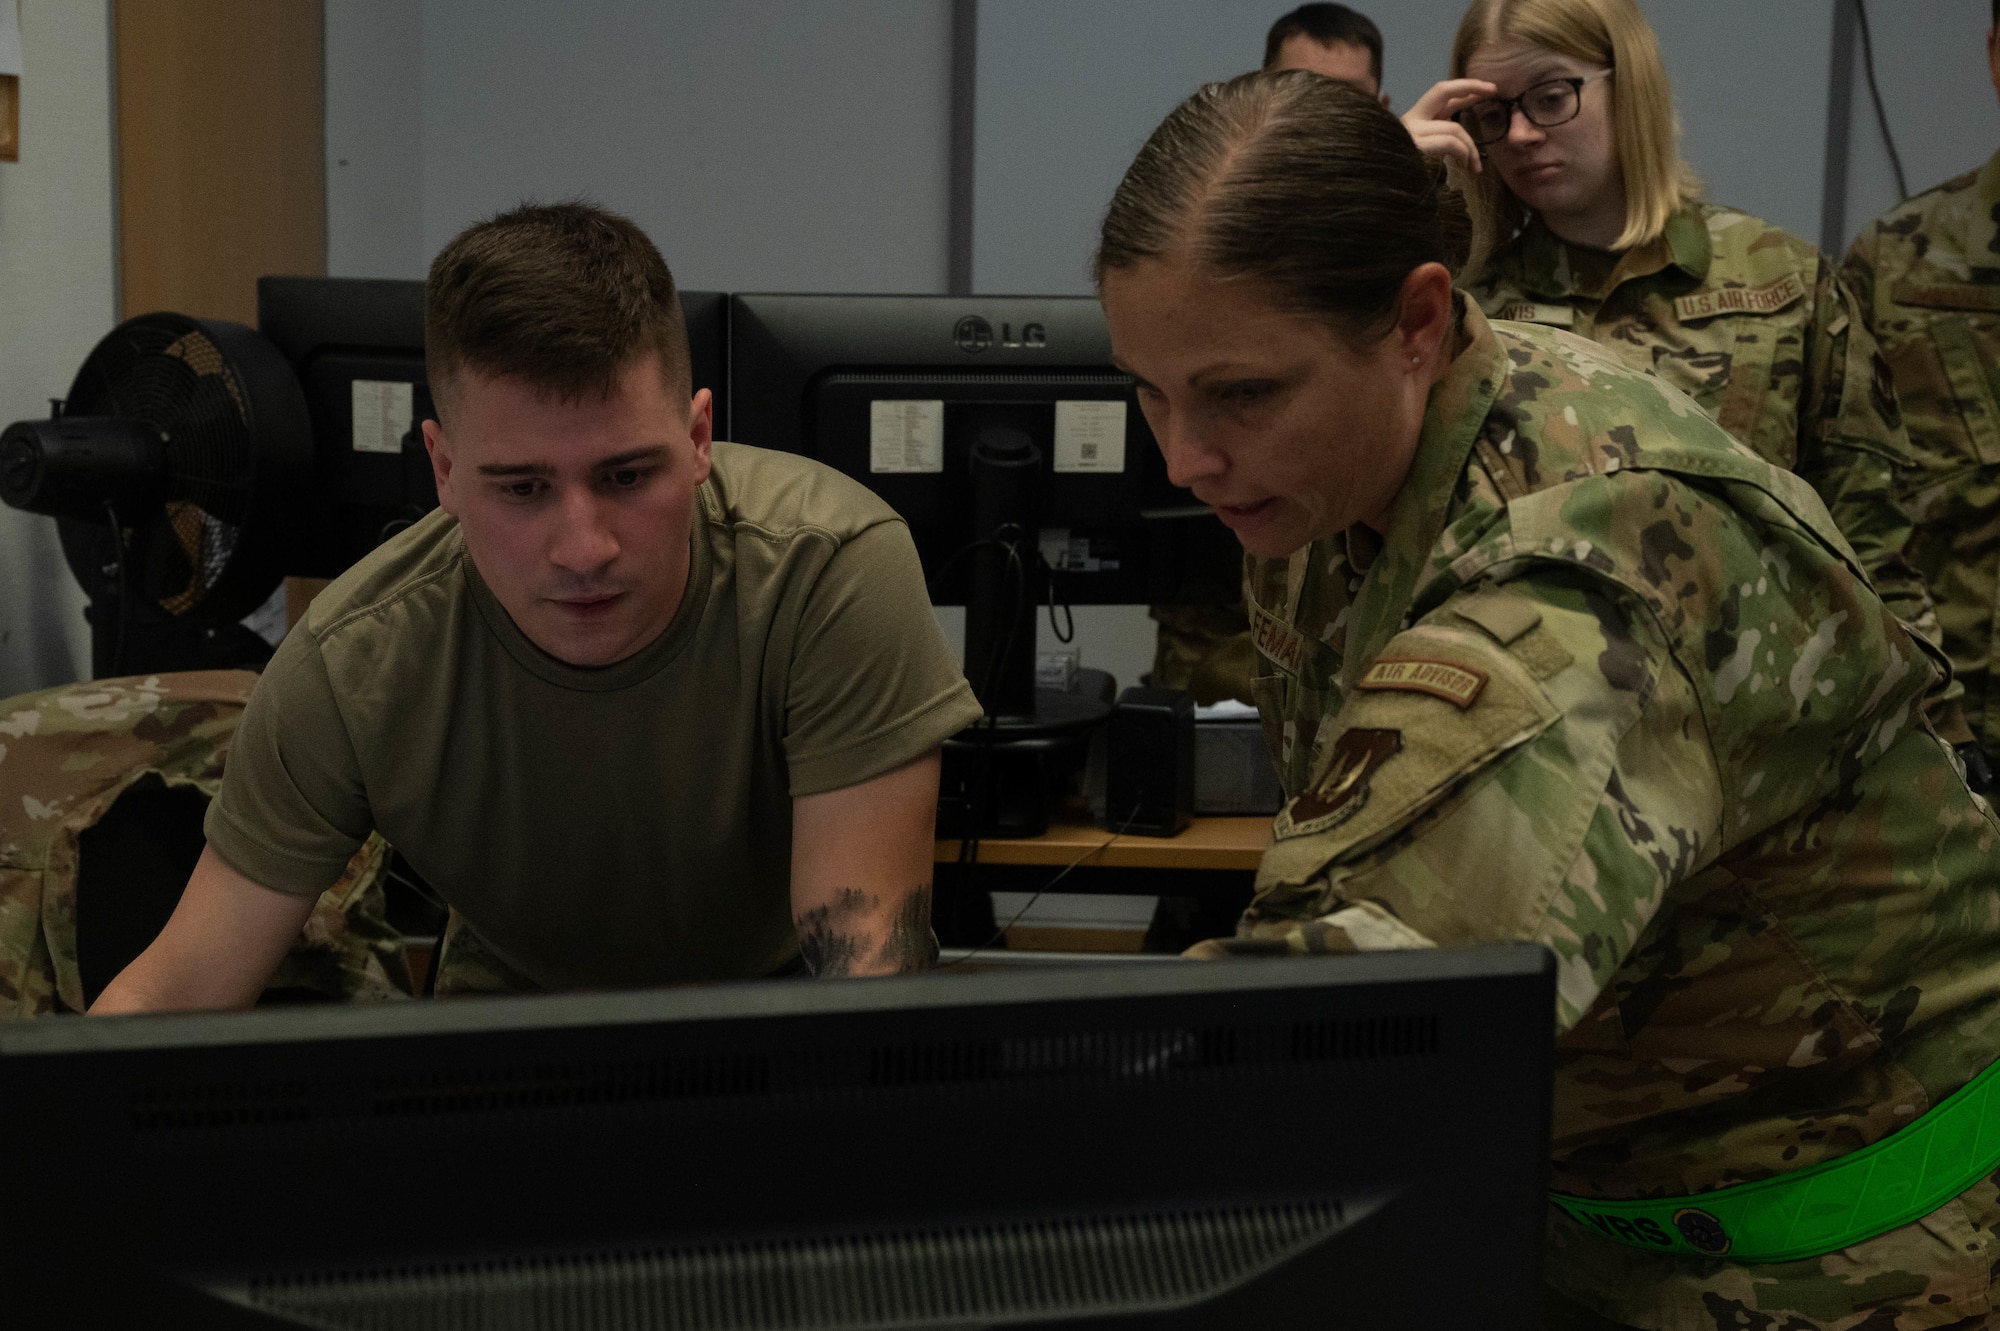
(57, 298)
(764, 144)
(1069, 89)
(778, 144)
(1930, 63)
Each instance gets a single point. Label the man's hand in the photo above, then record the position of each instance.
(861, 873)
(1430, 121)
(219, 948)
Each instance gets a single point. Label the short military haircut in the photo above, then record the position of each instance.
(1329, 25)
(561, 295)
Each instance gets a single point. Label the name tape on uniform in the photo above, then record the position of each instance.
(1528, 312)
(1276, 639)
(1975, 296)
(1456, 684)
(1767, 299)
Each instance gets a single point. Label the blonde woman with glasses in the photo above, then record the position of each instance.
(1560, 117)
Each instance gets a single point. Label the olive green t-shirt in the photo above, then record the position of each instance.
(619, 826)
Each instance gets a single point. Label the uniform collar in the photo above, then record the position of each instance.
(1452, 419)
(1545, 265)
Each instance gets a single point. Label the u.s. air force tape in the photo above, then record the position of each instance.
(1824, 1207)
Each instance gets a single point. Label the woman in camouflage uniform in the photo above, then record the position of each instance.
(1567, 135)
(1546, 654)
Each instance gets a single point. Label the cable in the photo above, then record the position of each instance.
(1069, 615)
(968, 843)
(1000, 931)
(117, 662)
(1875, 95)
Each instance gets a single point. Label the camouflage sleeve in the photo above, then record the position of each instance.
(1524, 763)
(1865, 393)
(1854, 451)
(1857, 272)
(1204, 650)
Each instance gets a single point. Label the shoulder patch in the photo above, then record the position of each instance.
(1344, 789)
(1529, 312)
(1978, 297)
(1456, 684)
(1766, 299)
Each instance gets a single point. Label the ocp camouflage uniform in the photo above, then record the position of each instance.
(1927, 276)
(1204, 650)
(1615, 685)
(1753, 324)
(67, 754)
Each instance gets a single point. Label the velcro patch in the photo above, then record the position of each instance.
(1504, 616)
(1456, 684)
(1277, 639)
(1528, 312)
(1767, 299)
(1975, 296)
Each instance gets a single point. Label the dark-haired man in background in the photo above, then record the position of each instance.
(644, 707)
(1328, 39)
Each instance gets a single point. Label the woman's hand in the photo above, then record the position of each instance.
(1430, 121)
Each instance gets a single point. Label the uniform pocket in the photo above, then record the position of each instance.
(1966, 350)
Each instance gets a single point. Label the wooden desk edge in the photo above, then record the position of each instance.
(1236, 843)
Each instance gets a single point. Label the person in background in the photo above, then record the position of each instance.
(1597, 226)
(1206, 649)
(1927, 276)
(1551, 656)
(1332, 40)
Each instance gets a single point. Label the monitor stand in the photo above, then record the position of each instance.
(1003, 771)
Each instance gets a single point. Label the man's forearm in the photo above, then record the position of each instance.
(225, 937)
(861, 932)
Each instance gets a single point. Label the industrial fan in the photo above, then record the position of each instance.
(175, 470)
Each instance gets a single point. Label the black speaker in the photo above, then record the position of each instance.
(1149, 762)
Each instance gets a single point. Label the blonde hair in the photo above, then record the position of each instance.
(1612, 34)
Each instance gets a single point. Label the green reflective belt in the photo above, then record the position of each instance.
(1824, 1207)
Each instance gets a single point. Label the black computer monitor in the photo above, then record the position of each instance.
(898, 392)
(357, 345)
(1267, 1144)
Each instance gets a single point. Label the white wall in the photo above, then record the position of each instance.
(57, 298)
(1930, 63)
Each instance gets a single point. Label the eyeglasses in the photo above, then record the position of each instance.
(1546, 105)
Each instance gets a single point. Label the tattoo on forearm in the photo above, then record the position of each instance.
(827, 942)
(836, 938)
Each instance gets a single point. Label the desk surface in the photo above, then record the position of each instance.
(1208, 843)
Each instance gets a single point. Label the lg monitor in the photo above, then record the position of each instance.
(1267, 1144)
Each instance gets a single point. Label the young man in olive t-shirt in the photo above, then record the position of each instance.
(644, 708)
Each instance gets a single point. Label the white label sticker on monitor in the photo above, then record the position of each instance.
(1090, 436)
(382, 412)
(905, 436)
